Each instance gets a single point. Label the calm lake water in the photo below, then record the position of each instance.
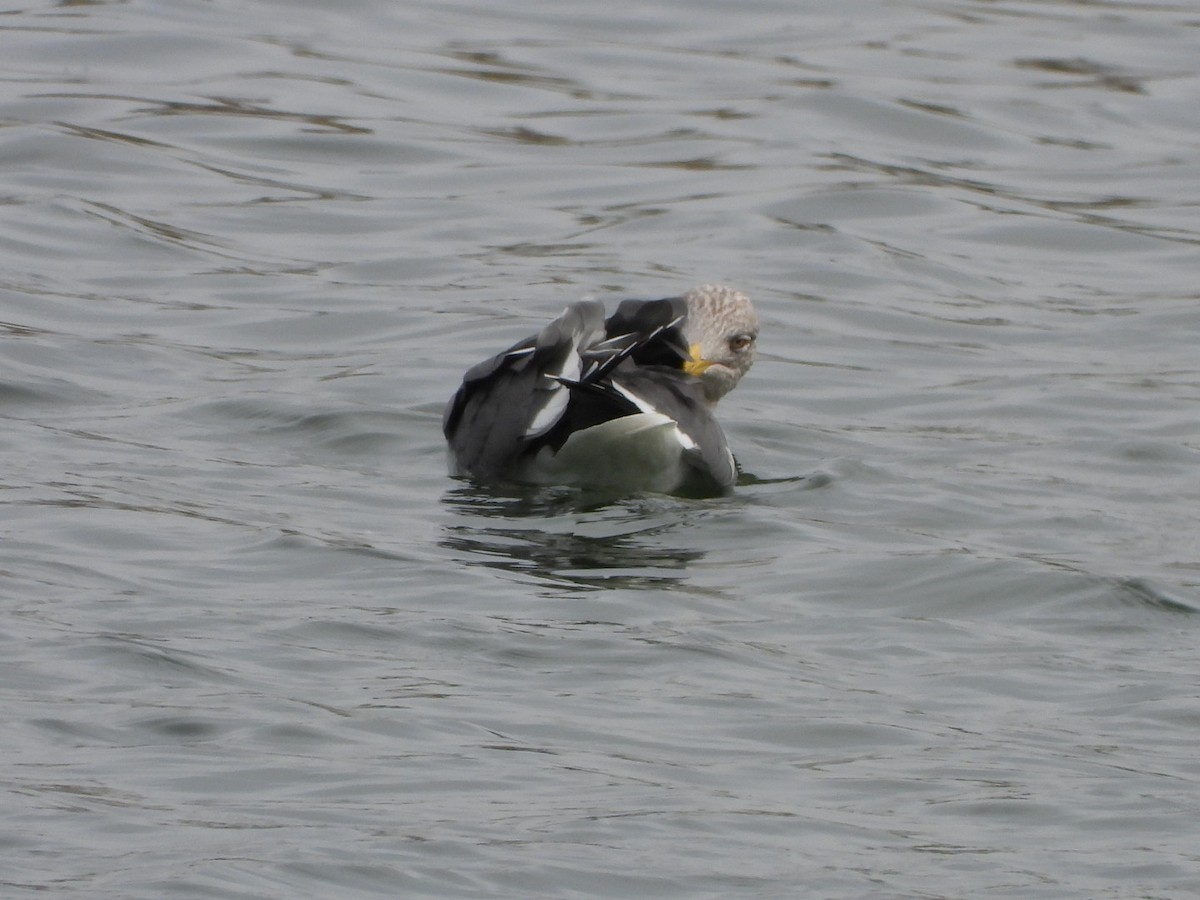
(940, 643)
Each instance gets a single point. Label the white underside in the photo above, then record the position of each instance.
(641, 452)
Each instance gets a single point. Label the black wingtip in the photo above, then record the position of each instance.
(657, 327)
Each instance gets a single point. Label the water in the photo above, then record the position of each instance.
(941, 642)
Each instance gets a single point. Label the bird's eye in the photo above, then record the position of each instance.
(740, 342)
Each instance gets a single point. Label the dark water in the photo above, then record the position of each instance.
(941, 643)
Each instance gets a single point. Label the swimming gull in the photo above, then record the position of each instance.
(623, 404)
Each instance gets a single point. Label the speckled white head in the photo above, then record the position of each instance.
(722, 331)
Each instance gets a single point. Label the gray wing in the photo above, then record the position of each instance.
(510, 400)
(680, 396)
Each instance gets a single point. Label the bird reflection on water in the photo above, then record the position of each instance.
(532, 532)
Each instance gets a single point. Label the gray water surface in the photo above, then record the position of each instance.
(940, 643)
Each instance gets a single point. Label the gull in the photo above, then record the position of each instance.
(623, 404)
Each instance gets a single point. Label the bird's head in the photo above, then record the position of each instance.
(721, 330)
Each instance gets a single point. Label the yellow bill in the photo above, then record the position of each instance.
(697, 363)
